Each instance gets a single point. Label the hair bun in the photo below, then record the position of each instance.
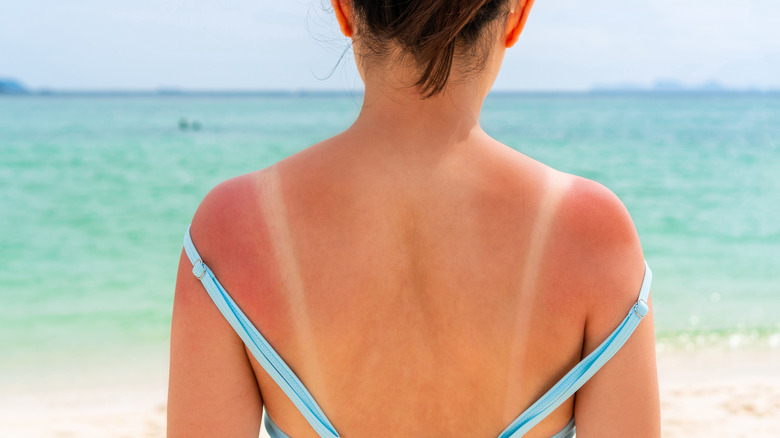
(429, 30)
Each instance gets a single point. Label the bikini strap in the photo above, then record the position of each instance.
(260, 348)
(584, 370)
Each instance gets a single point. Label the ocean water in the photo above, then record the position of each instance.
(96, 192)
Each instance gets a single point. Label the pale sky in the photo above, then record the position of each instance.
(292, 44)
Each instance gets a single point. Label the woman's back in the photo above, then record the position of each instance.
(438, 300)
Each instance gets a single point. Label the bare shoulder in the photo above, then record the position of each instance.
(600, 246)
(591, 236)
(233, 236)
(223, 205)
(228, 215)
(209, 368)
(596, 215)
(597, 240)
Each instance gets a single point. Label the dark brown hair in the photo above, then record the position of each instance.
(429, 30)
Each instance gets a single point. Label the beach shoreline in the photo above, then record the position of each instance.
(708, 392)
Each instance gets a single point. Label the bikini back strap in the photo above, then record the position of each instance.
(584, 370)
(260, 348)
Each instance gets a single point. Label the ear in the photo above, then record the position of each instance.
(516, 22)
(343, 10)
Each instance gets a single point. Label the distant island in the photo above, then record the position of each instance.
(670, 86)
(11, 86)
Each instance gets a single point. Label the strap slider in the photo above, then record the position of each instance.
(199, 269)
(641, 308)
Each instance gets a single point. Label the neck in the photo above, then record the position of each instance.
(400, 117)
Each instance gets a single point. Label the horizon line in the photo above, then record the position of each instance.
(300, 92)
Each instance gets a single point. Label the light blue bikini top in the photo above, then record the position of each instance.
(273, 364)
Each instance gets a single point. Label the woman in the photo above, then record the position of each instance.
(416, 276)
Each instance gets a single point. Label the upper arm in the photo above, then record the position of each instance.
(212, 389)
(622, 398)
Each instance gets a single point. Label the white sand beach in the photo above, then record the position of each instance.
(711, 393)
(717, 393)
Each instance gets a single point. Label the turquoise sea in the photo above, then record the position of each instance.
(96, 192)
